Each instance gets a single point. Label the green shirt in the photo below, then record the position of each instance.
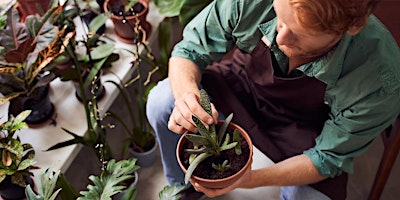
(362, 74)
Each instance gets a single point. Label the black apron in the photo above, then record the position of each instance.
(282, 115)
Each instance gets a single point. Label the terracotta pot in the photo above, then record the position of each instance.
(32, 7)
(43, 111)
(9, 191)
(224, 182)
(124, 29)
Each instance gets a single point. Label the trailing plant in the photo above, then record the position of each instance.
(17, 158)
(208, 142)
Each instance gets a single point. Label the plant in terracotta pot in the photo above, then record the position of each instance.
(25, 51)
(17, 158)
(217, 156)
(129, 19)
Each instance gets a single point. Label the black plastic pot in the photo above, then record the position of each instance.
(9, 191)
(39, 102)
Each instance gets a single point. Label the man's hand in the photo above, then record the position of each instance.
(240, 183)
(185, 107)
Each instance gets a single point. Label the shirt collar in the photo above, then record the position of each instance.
(326, 68)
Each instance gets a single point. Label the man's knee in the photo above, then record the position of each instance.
(160, 101)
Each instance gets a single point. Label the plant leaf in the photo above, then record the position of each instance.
(20, 54)
(224, 127)
(194, 164)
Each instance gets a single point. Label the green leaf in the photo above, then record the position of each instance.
(228, 146)
(224, 127)
(110, 180)
(194, 164)
(25, 164)
(236, 138)
(102, 51)
(171, 192)
(190, 8)
(98, 21)
(198, 139)
(205, 101)
(169, 8)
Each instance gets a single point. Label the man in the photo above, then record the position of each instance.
(312, 81)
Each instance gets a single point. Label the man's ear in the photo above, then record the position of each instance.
(353, 30)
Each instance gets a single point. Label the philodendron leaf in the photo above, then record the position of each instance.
(171, 192)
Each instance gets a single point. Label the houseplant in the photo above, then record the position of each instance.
(177, 13)
(108, 184)
(17, 158)
(88, 55)
(141, 141)
(33, 7)
(129, 19)
(26, 50)
(217, 156)
(89, 10)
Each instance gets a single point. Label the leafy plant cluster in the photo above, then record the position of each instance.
(208, 142)
(17, 158)
(25, 50)
(103, 187)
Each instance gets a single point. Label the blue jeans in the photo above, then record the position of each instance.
(159, 107)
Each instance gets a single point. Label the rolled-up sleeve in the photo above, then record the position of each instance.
(219, 27)
(349, 132)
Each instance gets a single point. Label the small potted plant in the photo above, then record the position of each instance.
(88, 57)
(129, 19)
(141, 142)
(217, 156)
(17, 159)
(25, 51)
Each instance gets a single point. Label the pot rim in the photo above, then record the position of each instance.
(245, 135)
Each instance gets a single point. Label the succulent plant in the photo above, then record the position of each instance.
(209, 142)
